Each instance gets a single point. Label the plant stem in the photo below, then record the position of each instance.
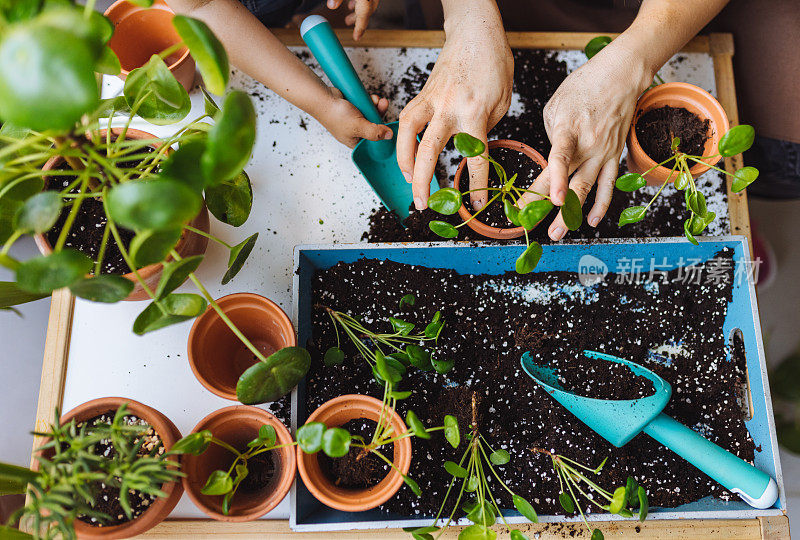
(102, 252)
(207, 235)
(73, 213)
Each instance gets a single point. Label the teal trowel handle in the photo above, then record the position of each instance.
(325, 46)
(757, 488)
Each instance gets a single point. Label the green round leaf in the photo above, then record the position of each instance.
(183, 165)
(14, 480)
(39, 213)
(400, 326)
(309, 437)
(571, 212)
(743, 178)
(153, 246)
(682, 180)
(400, 395)
(435, 326)
(617, 500)
(47, 273)
(511, 211)
(178, 308)
(451, 431)
(268, 381)
(231, 200)
(454, 469)
(477, 532)
(700, 223)
(633, 214)
(529, 258)
(565, 500)
(736, 140)
(596, 45)
(267, 435)
(160, 97)
(534, 212)
(525, 508)
(416, 426)
(517, 535)
(210, 106)
(108, 62)
(12, 295)
(207, 51)
(333, 356)
(630, 490)
(630, 182)
(230, 140)
(336, 442)
(411, 483)
(643, 504)
(175, 273)
(155, 204)
(385, 372)
(499, 457)
(419, 357)
(238, 256)
(194, 443)
(687, 230)
(443, 229)
(446, 201)
(696, 202)
(108, 288)
(47, 78)
(442, 366)
(218, 483)
(472, 484)
(468, 146)
(409, 299)
(482, 514)
(597, 534)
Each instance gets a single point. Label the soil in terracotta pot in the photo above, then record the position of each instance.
(672, 326)
(86, 233)
(357, 470)
(260, 472)
(107, 497)
(656, 128)
(512, 162)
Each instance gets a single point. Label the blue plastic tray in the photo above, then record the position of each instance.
(588, 261)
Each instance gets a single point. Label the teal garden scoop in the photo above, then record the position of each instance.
(376, 160)
(619, 421)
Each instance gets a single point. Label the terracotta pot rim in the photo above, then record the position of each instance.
(369, 498)
(131, 8)
(287, 473)
(169, 434)
(688, 93)
(500, 233)
(266, 305)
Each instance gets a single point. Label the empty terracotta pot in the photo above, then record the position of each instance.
(190, 243)
(478, 226)
(338, 412)
(218, 357)
(161, 507)
(139, 33)
(237, 426)
(683, 95)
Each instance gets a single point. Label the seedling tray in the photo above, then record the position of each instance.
(587, 262)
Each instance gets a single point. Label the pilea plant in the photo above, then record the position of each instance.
(447, 201)
(50, 106)
(477, 464)
(65, 486)
(737, 140)
(573, 481)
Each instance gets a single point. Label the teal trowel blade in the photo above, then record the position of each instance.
(617, 421)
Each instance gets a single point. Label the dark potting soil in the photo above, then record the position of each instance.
(260, 472)
(357, 470)
(512, 162)
(107, 497)
(656, 128)
(672, 326)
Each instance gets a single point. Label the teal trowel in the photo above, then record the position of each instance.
(376, 160)
(620, 421)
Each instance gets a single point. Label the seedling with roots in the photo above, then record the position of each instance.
(737, 140)
(447, 201)
(573, 481)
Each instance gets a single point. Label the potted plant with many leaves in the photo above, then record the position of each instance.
(104, 471)
(118, 212)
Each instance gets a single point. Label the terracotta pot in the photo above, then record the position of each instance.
(335, 413)
(237, 426)
(686, 96)
(161, 507)
(218, 357)
(189, 244)
(480, 227)
(139, 33)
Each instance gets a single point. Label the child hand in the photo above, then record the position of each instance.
(360, 12)
(348, 125)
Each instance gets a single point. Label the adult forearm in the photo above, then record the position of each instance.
(255, 50)
(457, 13)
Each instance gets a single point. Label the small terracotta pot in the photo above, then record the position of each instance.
(218, 357)
(686, 96)
(338, 412)
(237, 426)
(480, 227)
(190, 243)
(139, 33)
(161, 507)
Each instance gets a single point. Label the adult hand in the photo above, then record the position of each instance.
(360, 12)
(347, 124)
(468, 90)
